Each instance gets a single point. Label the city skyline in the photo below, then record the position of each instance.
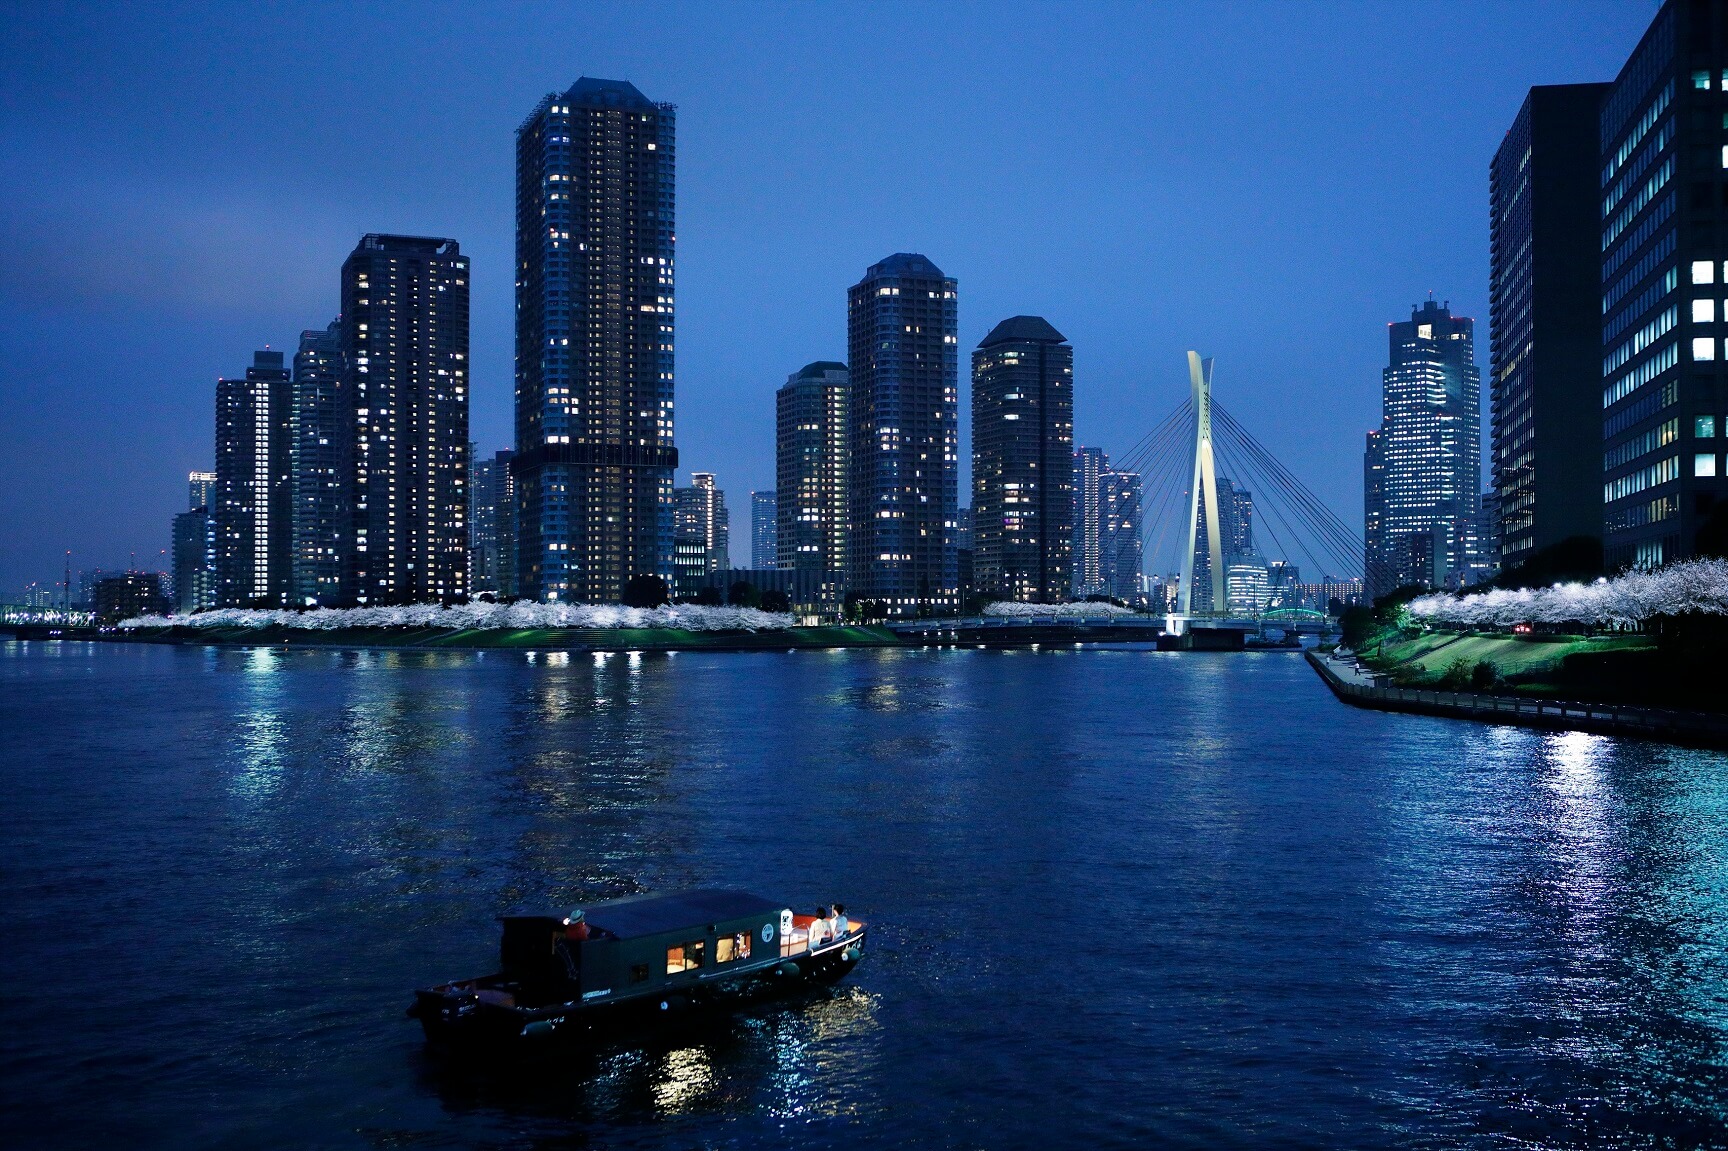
(724, 424)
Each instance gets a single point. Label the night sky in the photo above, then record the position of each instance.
(1268, 183)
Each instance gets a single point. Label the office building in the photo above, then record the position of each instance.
(764, 529)
(1247, 585)
(700, 515)
(1664, 288)
(1422, 485)
(810, 471)
(594, 339)
(404, 349)
(1545, 325)
(904, 442)
(320, 438)
(491, 526)
(252, 516)
(1022, 461)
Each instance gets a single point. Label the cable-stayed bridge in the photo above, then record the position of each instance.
(1193, 523)
(1200, 468)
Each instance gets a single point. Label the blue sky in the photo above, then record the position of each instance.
(1269, 183)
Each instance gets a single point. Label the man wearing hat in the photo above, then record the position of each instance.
(576, 926)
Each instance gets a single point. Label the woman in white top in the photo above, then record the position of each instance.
(818, 928)
(838, 924)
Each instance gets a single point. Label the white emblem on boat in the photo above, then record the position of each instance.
(596, 994)
(767, 933)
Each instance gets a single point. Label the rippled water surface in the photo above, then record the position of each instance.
(1116, 898)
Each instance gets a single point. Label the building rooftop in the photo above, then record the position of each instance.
(905, 264)
(607, 93)
(1023, 329)
(819, 368)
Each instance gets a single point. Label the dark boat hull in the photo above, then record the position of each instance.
(455, 1020)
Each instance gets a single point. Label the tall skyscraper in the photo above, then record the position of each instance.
(1545, 323)
(193, 559)
(1235, 526)
(320, 441)
(1107, 541)
(1663, 351)
(1087, 575)
(404, 338)
(904, 444)
(491, 526)
(1022, 461)
(254, 498)
(764, 530)
(700, 514)
(811, 457)
(1120, 539)
(594, 320)
(1424, 467)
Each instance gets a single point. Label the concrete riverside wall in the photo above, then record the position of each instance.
(1700, 729)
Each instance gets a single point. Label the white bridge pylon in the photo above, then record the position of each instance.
(1204, 487)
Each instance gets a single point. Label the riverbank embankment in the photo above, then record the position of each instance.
(585, 639)
(1362, 687)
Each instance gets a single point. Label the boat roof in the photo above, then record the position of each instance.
(640, 915)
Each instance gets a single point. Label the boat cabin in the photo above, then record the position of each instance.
(642, 945)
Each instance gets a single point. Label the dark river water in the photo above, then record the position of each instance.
(1117, 899)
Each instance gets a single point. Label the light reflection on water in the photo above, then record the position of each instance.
(1129, 898)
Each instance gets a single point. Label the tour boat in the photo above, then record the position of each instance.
(619, 965)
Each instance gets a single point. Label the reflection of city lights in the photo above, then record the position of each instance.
(1583, 841)
(821, 1054)
(686, 1075)
(557, 659)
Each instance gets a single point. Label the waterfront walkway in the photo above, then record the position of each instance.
(1361, 687)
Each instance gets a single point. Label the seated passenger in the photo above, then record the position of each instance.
(576, 926)
(819, 928)
(838, 924)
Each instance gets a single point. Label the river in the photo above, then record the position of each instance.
(1116, 898)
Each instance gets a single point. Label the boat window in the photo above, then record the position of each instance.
(684, 957)
(730, 947)
(639, 973)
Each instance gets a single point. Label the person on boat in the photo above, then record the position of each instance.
(818, 928)
(838, 924)
(576, 926)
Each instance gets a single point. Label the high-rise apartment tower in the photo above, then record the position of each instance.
(810, 472)
(321, 423)
(1022, 461)
(594, 328)
(404, 339)
(252, 516)
(764, 530)
(904, 442)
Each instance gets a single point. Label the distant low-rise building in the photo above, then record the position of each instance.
(129, 595)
